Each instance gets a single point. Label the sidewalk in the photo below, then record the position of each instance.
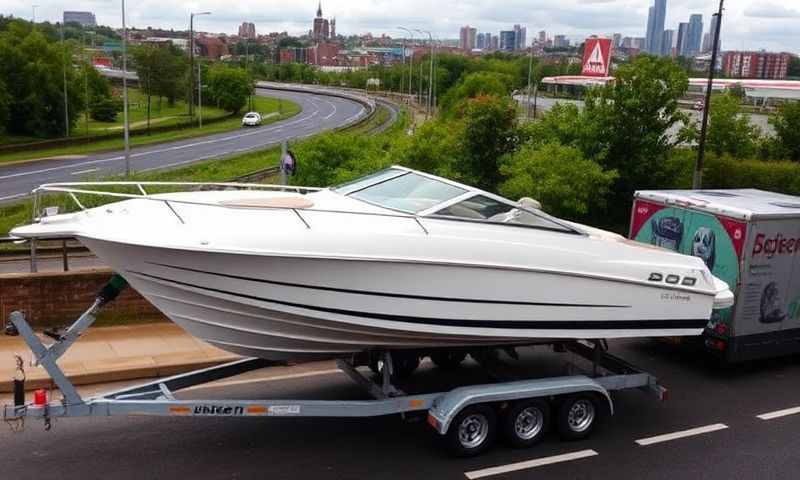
(109, 354)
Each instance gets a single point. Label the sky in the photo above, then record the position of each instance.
(747, 24)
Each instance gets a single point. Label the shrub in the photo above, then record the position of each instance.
(105, 109)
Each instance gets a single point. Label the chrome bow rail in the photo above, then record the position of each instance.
(73, 189)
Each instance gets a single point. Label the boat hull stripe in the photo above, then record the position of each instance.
(391, 295)
(498, 324)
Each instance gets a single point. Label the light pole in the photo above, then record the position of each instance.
(191, 59)
(86, 78)
(411, 62)
(199, 95)
(66, 93)
(530, 77)
(126, 126)
(34, 7)
(697, 181)
(430, 79)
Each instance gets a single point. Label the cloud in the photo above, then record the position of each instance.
(747, 24)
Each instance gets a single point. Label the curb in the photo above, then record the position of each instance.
(40, 379)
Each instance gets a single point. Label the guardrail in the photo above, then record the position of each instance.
(33, 254)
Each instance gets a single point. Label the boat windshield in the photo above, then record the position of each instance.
(407, 192)
(361, 182)
(483, 208)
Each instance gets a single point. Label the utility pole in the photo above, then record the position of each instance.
(191, 60)
(199, 95)
(126, 126)
(701, 148)
(411, 63)
(530, 78)
(429, 103)
(66, 97)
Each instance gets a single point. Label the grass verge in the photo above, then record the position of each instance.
(265, 105)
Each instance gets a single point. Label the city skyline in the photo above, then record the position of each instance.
(748, 24)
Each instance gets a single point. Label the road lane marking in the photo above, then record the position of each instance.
(263, 380)
(537, 462)
(81, 172)
(14, 196)
(682, 434)
(779, 413)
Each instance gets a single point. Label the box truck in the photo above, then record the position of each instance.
(748, 238)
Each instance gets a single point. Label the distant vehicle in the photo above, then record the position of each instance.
(699, 105)
(251, 119)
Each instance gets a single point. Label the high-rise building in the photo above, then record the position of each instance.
(708, 38)
(763, 65)
(467, 38)
(520, 34)
(655, 26)
(333, 27)
(85, 19)
(322, 28)
(508, 40)
(616, 40)
(667, 43)
(694, 35)
(247, 30)
(480, 41)
(495, 43)
(560, 41)
(543, 37)
(682, 40)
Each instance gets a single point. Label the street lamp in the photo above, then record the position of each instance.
(530, 76)
(697, 181)
(66, 93)
(126, 125)
(191, 56)
(411, 63)
(430, 80)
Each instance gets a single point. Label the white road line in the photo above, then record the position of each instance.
(537, 462)
(80, 172)
(779, 413)
(14, 196)
(334, 109)
(263, 380)
(682, 434)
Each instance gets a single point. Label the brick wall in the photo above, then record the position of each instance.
(57, 299)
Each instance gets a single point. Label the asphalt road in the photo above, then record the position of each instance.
(701, 394)
(319, 112)
(546, 103)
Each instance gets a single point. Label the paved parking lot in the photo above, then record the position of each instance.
(709, 428)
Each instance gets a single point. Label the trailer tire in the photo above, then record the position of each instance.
(448, 360)
(577, 416)
(525, 423)
(472, 431)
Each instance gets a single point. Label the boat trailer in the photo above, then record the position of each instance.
(466, 416)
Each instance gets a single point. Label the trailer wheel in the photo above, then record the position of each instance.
(525, 423)
(577, 416)
(473, 431)
(448, 360)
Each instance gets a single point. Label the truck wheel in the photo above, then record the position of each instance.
(473, 431)
(577, 416)
(525, 423)
(448, 360)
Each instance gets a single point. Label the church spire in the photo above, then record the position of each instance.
(319, 10)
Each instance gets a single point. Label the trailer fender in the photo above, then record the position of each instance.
(446, 407)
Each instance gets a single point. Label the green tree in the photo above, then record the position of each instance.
(477, 84)
(229, 87)
(787, 131)
(794, 66)
(728, 130)
(489, 133)
(33, 71)
(331, 159)
(566, 183)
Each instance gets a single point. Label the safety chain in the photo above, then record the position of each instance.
(17, 423)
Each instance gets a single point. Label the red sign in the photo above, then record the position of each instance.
(596, 57)
(99, 61)
(642, 211)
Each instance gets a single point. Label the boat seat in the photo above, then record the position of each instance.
(269, 202)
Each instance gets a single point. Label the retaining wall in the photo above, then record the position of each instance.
(57, 299)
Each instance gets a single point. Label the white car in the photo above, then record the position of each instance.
(251, 119)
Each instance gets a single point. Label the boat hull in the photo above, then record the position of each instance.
(302, 308)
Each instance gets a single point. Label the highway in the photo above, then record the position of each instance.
(713, 426)
(319, 112)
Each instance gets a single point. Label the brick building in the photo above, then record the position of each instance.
(764, 65)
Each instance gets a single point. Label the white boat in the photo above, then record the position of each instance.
(396, 260)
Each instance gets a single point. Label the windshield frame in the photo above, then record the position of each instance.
(470, 192)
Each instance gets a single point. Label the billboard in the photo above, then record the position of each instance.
(596, 57)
